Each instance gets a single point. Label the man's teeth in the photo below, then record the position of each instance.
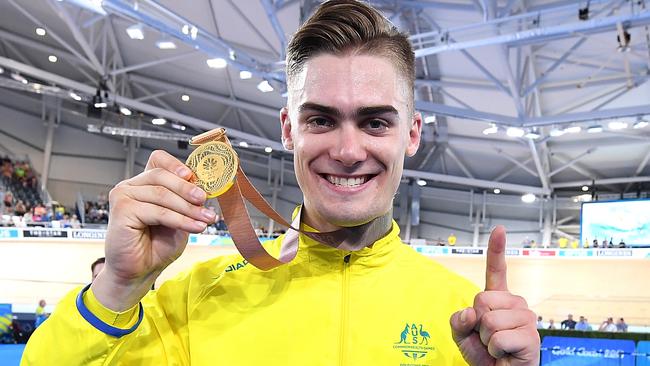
(346, 182)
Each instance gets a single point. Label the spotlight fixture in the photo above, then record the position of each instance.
(166, 44)
(41, 31)
(585, 188)
(135, 31)
(515, 132)
(98, 102)
(430, 119)
(16, 76)
(573, 129)
(491, 130)
(243, 144)
(185, 98)
(556, 132)
(617, 125)
(245, 74)
(158, 121)
(125, 111)
(74, 96)
(595, 129)
(2, 70)
(496, 191)
(268, 149)
(583, 13)
(52, 58)
(640, 124)
(532, 134)
(421, 182)
(178, 126)
(216, 63)
(623, 38)
(264, 86)
(528, 198)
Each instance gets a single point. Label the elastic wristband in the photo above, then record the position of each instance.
(99, 324)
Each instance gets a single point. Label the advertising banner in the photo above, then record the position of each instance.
(566, 351)
(643, 353)
(9, 233)
(45, 233)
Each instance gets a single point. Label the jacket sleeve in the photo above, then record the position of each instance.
(66, 338)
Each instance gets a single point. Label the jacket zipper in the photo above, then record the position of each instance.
(344, 309)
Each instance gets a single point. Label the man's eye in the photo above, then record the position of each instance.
(319, 122)
(376, 124)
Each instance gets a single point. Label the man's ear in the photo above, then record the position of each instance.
(415, 132)
(285, 122)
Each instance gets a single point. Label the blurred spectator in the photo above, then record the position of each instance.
(621, 244)
(583, 325)
(611, 243)
(608, 326)
(604, 243)
(8, 202)
(451, 239)
(97, 266)
(220, 224)
(540, 324)
(40, 313)
(551, 324)
(621, 326)
(568, 323)
(595, 243)
(20, 208)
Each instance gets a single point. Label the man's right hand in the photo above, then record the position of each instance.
(151, 216)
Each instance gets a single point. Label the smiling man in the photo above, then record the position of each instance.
(350, 123)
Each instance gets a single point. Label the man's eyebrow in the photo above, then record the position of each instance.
(361, 112)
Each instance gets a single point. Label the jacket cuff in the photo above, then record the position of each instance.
(116, 324)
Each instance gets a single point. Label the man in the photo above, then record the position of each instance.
(621, 326)
(97, 266)
(608, 326)
(583, 324)
(569, 323)
(350, 122)
(540, 322)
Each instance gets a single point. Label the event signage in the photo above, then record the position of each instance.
(45, 233)
(6, 233)
(615, 253)
(539, 252)
(88, 234)
(643, 353)
(467, 251)
(568, 351)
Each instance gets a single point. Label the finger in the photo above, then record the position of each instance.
(522, 345)
(468, 341)
(161, 196)
(498, 320)
(163, 159)
(167, 179)
(462, 324)
(495, 266)
(152, 215)
(487, 301)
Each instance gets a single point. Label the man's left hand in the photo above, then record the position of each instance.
(499, 329)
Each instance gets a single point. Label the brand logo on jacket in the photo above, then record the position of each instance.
(414, 342)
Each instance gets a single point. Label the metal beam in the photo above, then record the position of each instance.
(517, 162)
(601, 182)
(450, 111)
(252, 26)
(275, 23)
(152, 63)
(543, 178)
(128, 102)
(460, 164)
(473, 182)
(588, 116)
(512, 169)
(571, 162)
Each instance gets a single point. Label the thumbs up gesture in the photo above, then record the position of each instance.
(499, 329)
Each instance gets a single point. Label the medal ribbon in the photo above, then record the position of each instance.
(243, 234)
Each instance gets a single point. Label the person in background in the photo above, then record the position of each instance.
(97, 266)
(621, 244)
(608, 326)
(451, 240)
(568, 323)
(40, 313)
(621, 326)
(540, 324)
(551, 324)
(595, 243)
(583, 324)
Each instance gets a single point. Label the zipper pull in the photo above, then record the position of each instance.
(346, 259)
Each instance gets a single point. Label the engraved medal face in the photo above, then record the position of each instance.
(214, 164)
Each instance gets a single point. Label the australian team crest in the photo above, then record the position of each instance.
(414, 341)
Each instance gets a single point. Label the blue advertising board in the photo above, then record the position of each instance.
(566, 351)
(643, 353)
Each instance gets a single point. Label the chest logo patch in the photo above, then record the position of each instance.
(414, 341)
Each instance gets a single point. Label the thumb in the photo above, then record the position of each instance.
(462, 324)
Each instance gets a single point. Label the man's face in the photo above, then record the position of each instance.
(98, 268)
(350, 127)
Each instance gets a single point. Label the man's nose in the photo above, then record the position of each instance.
(349, 149)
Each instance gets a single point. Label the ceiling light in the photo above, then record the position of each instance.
(496, 191)
(532, 134)
(159, 121)
(243, 144)
(573, 129)
(41, 31)
(595, 129)
(264, 86)
(640, 124)
(166, 45)
(515, 132)
(178, 126)
(528, 198)
(2, 70)
(585, 188)
(18, 77)
(556, 132)
(125, 111)
(584, 198)
(37, 86)
(52, 58)
(190, 30)
(100, 105)
(74, 96)
(135, 32)
(491, 130)
(421, 182)
(185, 98)
(216, 63)
(232, 55)
(617, 125)
(430, 119)
(245, 74)
(268, 149)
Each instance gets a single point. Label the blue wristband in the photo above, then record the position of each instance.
(99, 324)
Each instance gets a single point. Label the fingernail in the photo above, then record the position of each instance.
(200, 224)
(197, 193)
(183, 171)
(208, 214)
(463, 316)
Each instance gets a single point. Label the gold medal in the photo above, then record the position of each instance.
(214, 165)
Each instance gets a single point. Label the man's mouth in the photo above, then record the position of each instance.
(349, 181)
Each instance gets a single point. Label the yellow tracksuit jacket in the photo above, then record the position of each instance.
(385, 305)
